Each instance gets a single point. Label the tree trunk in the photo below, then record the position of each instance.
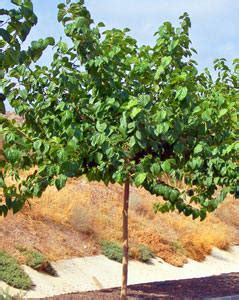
(123, 294)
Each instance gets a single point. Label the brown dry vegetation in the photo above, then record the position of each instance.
(75, 220)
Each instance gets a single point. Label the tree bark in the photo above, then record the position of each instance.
(123, 294)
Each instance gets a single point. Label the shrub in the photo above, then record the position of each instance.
(12, 273)
(37, 261)
(145, 254)
(34, 259)
(112, 250)
(177, 247)
(141, 252)
(81, 220)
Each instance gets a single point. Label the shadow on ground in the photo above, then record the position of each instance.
(196, 288)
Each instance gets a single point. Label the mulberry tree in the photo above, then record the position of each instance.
(122, 113)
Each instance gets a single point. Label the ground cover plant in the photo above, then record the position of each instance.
(36, 260)
(33, 258)
(112, 250)
(120, 113)
(12, 273)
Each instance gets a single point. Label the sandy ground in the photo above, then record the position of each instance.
(98, 272)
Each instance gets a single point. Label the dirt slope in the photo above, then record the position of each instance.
(75, 220)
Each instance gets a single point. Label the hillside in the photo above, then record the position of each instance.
(74, 221)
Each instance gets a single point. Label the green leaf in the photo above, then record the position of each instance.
(13, 155)
(123, 124)
(98, 139)
(17, 2)
(131, 103)
(101, 24)
(37, 145)
(23, 94)
(72, 145)
(11, 57)
(60, 182)
(158, 73)
(50, 41)
(2, 182)
(222, 112)
(2, 73)
(203, 214)
(9, 202)
(162, 128)
(174, 195)
(165, 61)
(173, 45)
(195, 214)
(3, 210)
(5, 35)
(197, 109)
(61, 12)
(140, 178)
(181, 93)
(101, 126)
(161, 115)
(138, 135)
(198, 149)
(135, 111)
(166, 166)
(17, 205)
(132, 141)
(155, 169)
(61, 6)
(98, 157)
(63, 46)
(206, 115)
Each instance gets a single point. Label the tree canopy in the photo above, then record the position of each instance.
(111, 109)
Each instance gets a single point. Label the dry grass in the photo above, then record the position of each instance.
(228, 211)
(75, 220)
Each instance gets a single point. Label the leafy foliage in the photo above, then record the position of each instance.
(113, 110)
(12, 274)
(15, 25)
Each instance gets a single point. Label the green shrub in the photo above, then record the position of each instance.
(12, 273)
(34, 258)
(112, 250)
(144, 253)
